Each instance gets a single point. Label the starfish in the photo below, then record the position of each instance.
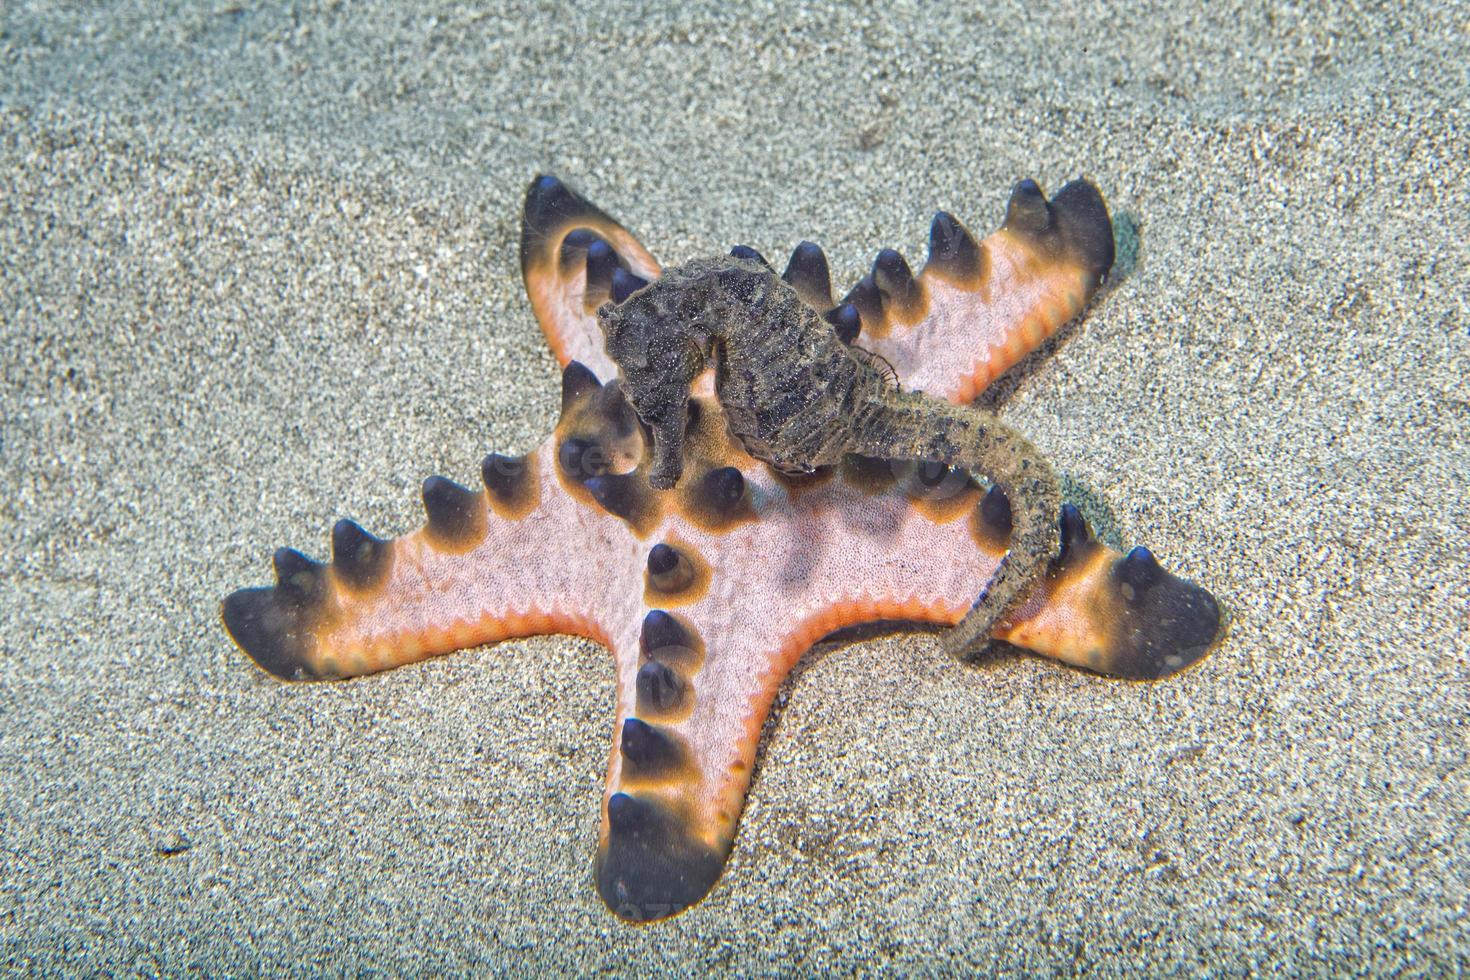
(708, 592)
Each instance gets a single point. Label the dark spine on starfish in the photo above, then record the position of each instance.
(993, 520)
(597, 428)
(1075, 223)
(677, 575)
(808, 273)
(717, 499)
(623, 495)
(277, 626)
(651, 866)
(1027, 212)
(581, 458)
(625, 284)
(865, 298)
(602, 261)
(669, 571)
(929, 480)
(660, 690)
(846, 322)
(299, 579)
(581, 455)
(650, 752)
(360, 560)
(577, 383)
(746, 252)
(573, 250)
(953, 252)
(1084, 226)
(664, 637)
(1137, 571)
(1077, 544)
(456, 514)
(510, 484)
(898, 290)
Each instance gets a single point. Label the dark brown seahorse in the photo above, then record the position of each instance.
(796, 396)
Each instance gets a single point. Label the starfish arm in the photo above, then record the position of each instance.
(509, 559)
(975, 309)
(699, 665)
(574, 258)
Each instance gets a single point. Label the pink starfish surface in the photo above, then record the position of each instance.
(707, 594)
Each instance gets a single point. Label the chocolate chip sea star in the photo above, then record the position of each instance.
(707, 593)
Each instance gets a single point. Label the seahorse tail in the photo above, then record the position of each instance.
(1036, 499)
(915, 426)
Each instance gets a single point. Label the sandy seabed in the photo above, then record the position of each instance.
(258, 270)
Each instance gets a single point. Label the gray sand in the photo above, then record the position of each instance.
(258, 271)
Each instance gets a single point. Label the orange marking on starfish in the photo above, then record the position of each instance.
(396, 640)
(1065, 619)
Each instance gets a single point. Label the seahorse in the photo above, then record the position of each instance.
(799, 398)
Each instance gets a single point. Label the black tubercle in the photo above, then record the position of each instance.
(665, 638)
(1028, 211)
(574, 246)
(361, 560)
(275, 626)
(1074, 534)
(953, 251)
(1082, 221)
(1075, 223)
(746, 252)
(507, 479)
(721, 491)
(456, 513)
(868, 301)
(662, 559)
(651, 866)
(846, 322)
(610, 407)
(894, 279)
(995, 514)
(1138, 570)
(807, 272)
(668, 570)
(651, 751)
(577, 381)
(927, 480)
(581, 459)
(602, 259)
(624, 495)
(930, 474)
(596, 430)
(660, 688)
(274, 630)
(625, 284)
